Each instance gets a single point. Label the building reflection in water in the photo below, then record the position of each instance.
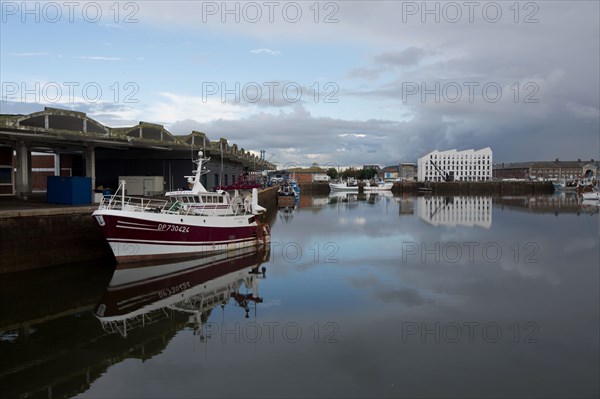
(557, 203)
(471, 211)
(143, 294)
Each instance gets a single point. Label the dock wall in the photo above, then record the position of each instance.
(267, 198)
(489, 188)
(314, 188)
(458, 188)
(39, 239)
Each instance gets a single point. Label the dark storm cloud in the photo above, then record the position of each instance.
(409, 56)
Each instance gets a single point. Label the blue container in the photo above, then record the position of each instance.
(107, 193)
(74, 190)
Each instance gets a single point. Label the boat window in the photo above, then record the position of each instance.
(221, 200)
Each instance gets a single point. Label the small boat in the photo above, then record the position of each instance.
(565, 185)
(295, 186)
(286, 196)
(379, 186)
(586, 185)
(343, 186)
(593, 195)
(590, 203)
(189, 222)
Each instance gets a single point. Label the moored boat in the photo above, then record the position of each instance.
(565, 185)
(286, 195)
(343, 186)
(591, 195)
(190, 221)
(379, 186)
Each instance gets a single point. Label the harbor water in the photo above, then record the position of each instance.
(374, 295)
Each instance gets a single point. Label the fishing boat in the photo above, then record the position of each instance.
(565, 185)
(344, 186)
(593, 195)
(295, 186)
(286, 196)
(379, 186)
(586, 185)
(188, 222)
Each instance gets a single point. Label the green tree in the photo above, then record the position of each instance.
(332, 173)
(350, 172)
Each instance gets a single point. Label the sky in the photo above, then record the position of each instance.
(332, 82)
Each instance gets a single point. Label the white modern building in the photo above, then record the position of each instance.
(467, 165)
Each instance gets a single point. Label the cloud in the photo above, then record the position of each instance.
(99, 58)
(583, 111)
(371, 53)
(32, 54)
(406, 57)
(364, 73)
(175, 107)
(265, 51)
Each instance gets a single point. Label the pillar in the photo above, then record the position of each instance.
(90, 164)
(23, 170)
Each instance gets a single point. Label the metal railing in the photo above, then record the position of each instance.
(134, 204)
(119, 201)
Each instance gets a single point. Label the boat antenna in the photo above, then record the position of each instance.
(221, 174)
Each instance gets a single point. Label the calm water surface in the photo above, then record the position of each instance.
(369, 296)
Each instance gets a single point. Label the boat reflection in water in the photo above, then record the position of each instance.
(144, 293)
(286, 214)
(470, 211)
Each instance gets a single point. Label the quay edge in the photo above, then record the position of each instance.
(488, 188)
(452, 188)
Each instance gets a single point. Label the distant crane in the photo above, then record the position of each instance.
(448, 177)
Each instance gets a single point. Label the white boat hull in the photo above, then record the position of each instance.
(381, 187)
(135, 236)
(591, 196)
(343, 187)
